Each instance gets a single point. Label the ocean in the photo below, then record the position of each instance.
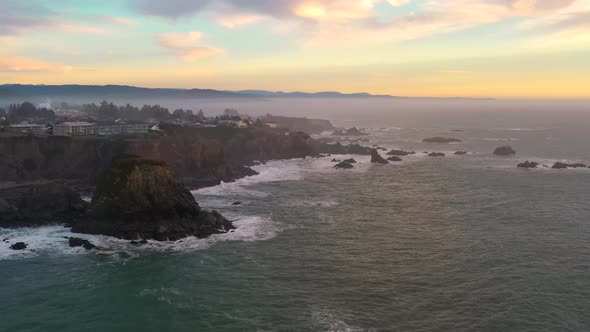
(460, 243)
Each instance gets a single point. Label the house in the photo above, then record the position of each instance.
(121, 127)
(26, 128)
(79, 128)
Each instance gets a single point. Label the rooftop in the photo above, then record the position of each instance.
(75, 124)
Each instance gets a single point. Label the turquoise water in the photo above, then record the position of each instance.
(454, 244)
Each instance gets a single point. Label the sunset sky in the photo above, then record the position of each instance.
(469, 48)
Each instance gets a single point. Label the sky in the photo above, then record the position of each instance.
(437, 48)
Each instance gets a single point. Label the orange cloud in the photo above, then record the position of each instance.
(188, 45)
(13, 64)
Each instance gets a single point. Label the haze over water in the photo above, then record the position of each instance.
(460, 243)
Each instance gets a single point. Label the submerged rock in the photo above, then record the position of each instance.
(344, 165)
(400, 153)
(236, 203)
(350, 161)
(460, 153)
(442, 140)
(436, 154)
(506, 150)
(139, 198)
(78, 242)
(528, 164)
(394, 158)
(376, 158)
(19, 246)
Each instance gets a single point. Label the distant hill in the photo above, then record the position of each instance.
(124, 91)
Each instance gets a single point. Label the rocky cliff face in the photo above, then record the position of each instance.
(140, 198)
(39, 204)
(199, 156)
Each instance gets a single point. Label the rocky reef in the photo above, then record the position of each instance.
(349, 132)
(528, 164)
(139, 198)
(560, 165)
(400, 153)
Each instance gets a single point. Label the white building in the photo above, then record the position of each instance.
(79, 128)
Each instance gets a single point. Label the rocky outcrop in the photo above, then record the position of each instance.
(436, 154)
(199, 157)
(140, 198)
(394, 158)
(78, 242)
(400, 153)
(528, 164)
(350, 161)
(460, 153)
(40, 204)
(19, 246)
(560, 165)
(441, 140)
(376, 158)
(343, 165)
(506, 150)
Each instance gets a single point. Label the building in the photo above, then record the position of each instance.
(78, 128)
(119, 128)
(26, 128)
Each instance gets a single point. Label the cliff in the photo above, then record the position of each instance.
(198, 156)
(39, 204)
(140, 198)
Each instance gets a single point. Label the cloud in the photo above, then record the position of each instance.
(11, 64)
(188, 45)
(118, 20)
(232, 21)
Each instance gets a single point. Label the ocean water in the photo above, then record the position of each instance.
(462, 243)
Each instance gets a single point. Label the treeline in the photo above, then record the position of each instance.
(109, 111)
(26, 111)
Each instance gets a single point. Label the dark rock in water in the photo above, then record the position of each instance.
(381, 149)
(139, 198)
(394, 158)
(336, 160)
(559, 165)
(400, 153)
(236, 203)
(458, 130)
(461, 153)
(376, 158)
(40, 204)
(350, 161)
(441, 140)
(506, 150)
(78, 242)
(143, 241)
(528, 164)
(436, 154)
(344, 165)
(19, 246)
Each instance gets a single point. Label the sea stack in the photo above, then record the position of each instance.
(506, 150)
(138, 198)
(376, 158)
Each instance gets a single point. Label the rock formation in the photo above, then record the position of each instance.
(394, 158)
(442, 140)
(460, 153)
(40, 204)
(376, 158)
(19, 246)
(436, 154)
(350, 161)
(506, 150)
(344, 165)
(560, 165)
(528, 164)
(139, 198)
(78, 242)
